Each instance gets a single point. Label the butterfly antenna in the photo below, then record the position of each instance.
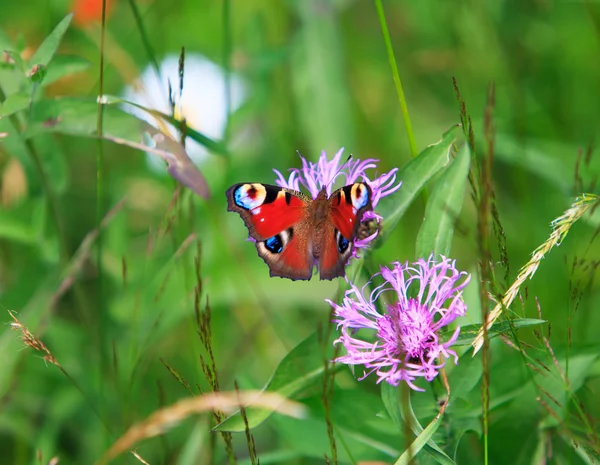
(339, 170)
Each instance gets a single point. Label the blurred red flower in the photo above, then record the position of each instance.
(90, 11)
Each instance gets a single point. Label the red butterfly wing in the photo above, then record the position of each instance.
(347, 207)
(275, 218)
(266, 210)
(287, 254)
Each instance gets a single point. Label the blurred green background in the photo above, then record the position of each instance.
(307, 76)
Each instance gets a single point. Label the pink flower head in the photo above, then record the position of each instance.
(323, 174)
(407, 342)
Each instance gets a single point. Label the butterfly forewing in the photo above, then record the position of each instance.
(266, 210)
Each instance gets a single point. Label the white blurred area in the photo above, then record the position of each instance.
(203, 101)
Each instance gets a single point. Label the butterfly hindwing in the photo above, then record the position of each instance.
(286, 255)
(274, 217)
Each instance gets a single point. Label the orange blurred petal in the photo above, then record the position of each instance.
(90, 11)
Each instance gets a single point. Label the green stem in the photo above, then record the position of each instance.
(52, 201)
(390, 51)
(146, 43)
(100, 206)
(226, 63)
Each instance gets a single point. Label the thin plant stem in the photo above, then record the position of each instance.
(408, 426)
(227, 63)
(146, 43)
(100, 206)
(392, 60)
(52, 201)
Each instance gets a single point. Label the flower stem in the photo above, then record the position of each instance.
(390, 51)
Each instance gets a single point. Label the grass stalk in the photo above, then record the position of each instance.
(560, 228)
(144, 36)
(102, 326)
(227, 63)
(397, 82)
(46, 186)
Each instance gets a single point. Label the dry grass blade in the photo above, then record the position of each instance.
(31, 341)
(139, 457)
(168, 417)
(180, 166)
(560, 228)
(83, 252)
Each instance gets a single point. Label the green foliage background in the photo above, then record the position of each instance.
(318, 78)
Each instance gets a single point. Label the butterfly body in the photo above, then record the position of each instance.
(293, 233)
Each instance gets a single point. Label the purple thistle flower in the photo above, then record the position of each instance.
(407, 342)
(314, 176)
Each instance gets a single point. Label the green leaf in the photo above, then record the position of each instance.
(11, 59)
(443, 207)
(298, 369)
(391, 402)
(5, 42)
(16, 229)
(14, 103)
(52, 157)
(78, 117)
(46, 51)
(37, 73)
(62, 66)
(210, 144)
(414, 175)
(468, 332)
(464, 377)
(399, 410)
(309, 438)
(361, 432)
(421, 441)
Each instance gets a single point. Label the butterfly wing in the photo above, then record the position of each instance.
(347, 207)
(275, 218)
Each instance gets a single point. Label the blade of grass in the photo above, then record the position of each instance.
(102, 324)
(48, 48)
(146, 43)
(226, 64)
(394, 67)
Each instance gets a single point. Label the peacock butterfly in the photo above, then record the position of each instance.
(293, 232)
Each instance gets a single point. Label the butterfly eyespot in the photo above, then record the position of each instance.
(250, 196)
(274, 244)
(359, 195)
(342, 242)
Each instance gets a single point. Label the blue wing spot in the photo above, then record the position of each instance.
(274, 244)
(342, 243)
(362, 196)
(248, 197)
